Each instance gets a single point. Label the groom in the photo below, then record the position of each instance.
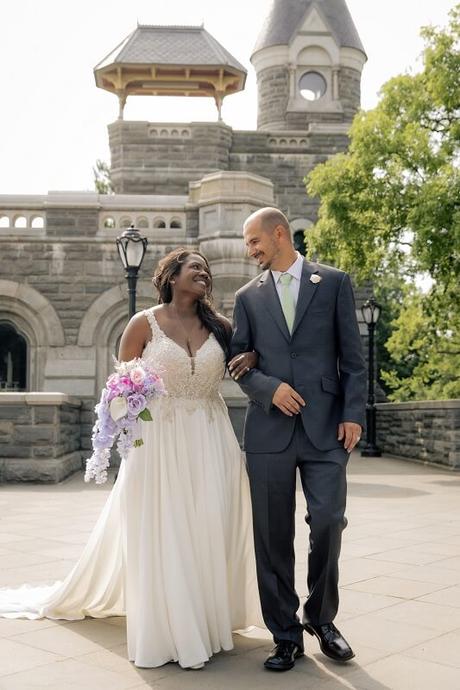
(305, 411)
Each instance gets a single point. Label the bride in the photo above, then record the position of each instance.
(172, 549)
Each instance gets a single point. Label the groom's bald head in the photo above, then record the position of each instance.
(268, 240)
(268, 219)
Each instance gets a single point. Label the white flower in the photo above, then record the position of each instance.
(315, 278)
(118, 408)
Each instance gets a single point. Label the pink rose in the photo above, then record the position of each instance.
(137, 376)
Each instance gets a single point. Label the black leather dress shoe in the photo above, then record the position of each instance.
(283, 656)
(332, 643)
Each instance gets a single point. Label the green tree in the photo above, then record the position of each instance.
(390, 206)
(102, 180)
(392, 295)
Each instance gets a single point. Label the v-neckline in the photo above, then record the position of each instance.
(165, 335)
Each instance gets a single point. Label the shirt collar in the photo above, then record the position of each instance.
(294, 269)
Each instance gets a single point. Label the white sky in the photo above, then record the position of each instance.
(53, 119)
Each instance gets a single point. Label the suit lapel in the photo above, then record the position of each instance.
(267, 291)
(306, 292)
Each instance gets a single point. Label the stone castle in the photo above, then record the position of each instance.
(63, 300)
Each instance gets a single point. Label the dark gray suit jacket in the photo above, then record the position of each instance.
(322, 359)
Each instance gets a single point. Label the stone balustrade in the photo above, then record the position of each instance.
(39, 436)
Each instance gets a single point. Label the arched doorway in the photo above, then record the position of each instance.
(299, 226)
(299, 242)
(13, 358)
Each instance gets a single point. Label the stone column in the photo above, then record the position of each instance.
(224, 201)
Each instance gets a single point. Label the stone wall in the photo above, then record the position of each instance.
(150, 158)
(156, 158)
(273, 97)
(67, 294)
(427, 431)
(39, 436)
(350, 91)
(286, 164)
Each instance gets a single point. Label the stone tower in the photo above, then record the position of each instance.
(308, 59)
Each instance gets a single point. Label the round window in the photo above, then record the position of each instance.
(312, 86)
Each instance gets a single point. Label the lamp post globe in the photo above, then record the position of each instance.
(371, 313)
(131, 250)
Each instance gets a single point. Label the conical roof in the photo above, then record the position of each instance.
(285, 18)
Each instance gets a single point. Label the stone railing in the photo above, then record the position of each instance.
(39, 436)
(428, 431)
(26, 216)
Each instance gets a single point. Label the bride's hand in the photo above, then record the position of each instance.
(242, 363)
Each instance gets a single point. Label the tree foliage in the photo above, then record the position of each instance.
(102, 180)
(390, 206)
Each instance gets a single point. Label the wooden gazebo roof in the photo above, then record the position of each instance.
(170, 61)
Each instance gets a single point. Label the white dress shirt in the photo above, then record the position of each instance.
(295, 271)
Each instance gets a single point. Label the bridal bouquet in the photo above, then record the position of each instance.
(123, 403)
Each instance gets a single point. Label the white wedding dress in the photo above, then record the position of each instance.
(173, 548)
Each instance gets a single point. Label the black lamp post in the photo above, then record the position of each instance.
(131, 248)
(371, 312)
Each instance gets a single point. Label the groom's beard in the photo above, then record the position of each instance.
(263, 262)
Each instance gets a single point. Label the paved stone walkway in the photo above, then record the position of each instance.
(400, 594)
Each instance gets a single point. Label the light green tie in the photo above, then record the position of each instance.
(287, 300)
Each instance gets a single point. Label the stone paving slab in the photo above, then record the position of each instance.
(400, 593)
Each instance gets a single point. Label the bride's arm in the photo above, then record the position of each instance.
(134, 338)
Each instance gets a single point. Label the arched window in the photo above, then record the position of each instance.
(175, 224)
(142, 223)
(20, 222)
(312, 86)
(38, 222)
(13, 358)
(299, 242)
(109, 222)
(159, 223)
(4, 222)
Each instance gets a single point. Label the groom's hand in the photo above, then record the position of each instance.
(288, 400)
(350, 433)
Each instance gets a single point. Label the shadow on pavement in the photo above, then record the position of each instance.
(382, 491)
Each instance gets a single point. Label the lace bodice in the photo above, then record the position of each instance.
(184, 376)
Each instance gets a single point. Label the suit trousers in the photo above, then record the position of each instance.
(272, 478)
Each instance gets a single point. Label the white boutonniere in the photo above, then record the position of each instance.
(315, 278)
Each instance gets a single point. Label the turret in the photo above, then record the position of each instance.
(308, 60)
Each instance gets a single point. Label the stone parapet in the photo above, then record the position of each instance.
(39, 436)
(428, 431)
(152, 158)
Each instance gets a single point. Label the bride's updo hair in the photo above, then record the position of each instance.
(169, 267)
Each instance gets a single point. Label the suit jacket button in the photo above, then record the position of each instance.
(293, 355)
